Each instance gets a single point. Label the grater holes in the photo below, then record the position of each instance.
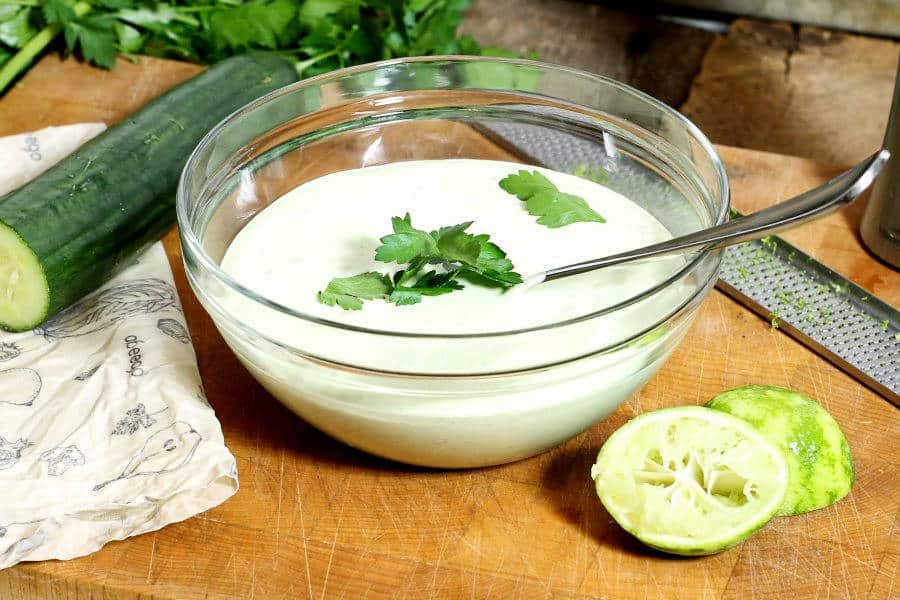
(837, 317)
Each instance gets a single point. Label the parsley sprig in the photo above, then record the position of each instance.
(543, 199)
(349, 292)
(434, 263)
(321, 34)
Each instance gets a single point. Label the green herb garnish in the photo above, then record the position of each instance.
(321, 35)
(434, 262)
(543, 199)
(349, 292)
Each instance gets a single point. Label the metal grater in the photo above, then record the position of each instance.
(831, 315)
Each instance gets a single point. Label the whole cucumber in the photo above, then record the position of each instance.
(66, 232)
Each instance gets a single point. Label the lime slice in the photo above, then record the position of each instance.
(817, 453)
(689, 480)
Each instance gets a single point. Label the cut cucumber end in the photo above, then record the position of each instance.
(24, 294)
(690, 480)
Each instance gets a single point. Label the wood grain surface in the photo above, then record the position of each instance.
(802, 91)
(316, 519)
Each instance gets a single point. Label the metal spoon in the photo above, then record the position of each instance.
(843, 189)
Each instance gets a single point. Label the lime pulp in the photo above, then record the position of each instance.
(690, 480)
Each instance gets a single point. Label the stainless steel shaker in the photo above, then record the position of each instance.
(880, 227)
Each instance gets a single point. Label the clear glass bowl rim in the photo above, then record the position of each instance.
(193, 247)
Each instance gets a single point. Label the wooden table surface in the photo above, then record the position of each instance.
(315, 518)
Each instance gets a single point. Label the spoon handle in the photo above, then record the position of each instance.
(843, 189)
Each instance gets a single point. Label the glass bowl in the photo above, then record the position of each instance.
(437, 399)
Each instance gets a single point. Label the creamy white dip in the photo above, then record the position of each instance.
(465, 401)
(330, 227)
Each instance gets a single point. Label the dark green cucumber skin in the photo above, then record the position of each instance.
(89, 214)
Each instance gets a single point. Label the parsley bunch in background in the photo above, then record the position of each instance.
(321, 34)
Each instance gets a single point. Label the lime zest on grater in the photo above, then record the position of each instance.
(828, 313)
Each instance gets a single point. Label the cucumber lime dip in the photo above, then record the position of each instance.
(488, 372)
(331, 227)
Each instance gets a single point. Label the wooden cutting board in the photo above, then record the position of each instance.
(315, 518)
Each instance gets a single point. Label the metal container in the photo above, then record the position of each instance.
(880, 227)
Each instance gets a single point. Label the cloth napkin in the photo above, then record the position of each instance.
(105, 432)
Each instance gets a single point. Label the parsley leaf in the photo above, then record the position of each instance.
(476, 254)
(431, 283)
(435, 31)
(151, 18)
(253, 25)
(349, 292)
(455, 245)
(312, 11)
(15, 26)
(451, 246)
(493, 264)
(57, 11)
(114, 4)
(406, 243)
(96, 39)
(451, 251)
(543, 199)
(129, 38)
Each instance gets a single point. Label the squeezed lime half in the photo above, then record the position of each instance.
(817, 453)
(690, 480)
